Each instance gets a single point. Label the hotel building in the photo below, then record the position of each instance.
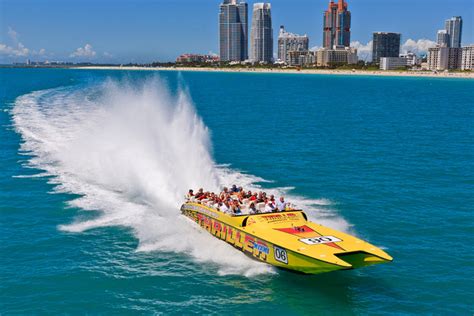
(233, 31)
(467, 59)
(337, 25)
(444, 58)
(289, 42)
(385, 45)
(453, 27)
(338, 55)
(261, 35)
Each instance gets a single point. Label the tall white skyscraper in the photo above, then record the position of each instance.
(454, 28)
(261, 35)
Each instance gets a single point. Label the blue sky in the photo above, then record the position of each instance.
(150, 30)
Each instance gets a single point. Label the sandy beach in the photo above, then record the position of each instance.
(430, 74)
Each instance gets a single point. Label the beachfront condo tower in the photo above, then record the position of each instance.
(442, 38)
(454, 28)
(233, 31)
(261, 35)
(289, 42)
(385, 45)
(337, 25)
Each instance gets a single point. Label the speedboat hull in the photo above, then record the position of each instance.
(287, 240)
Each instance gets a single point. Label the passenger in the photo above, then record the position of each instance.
(234, 189)
(200, 193)
(236, 208)
(260, 197)
(281, 205)
(190, 194)
(248, 195)
(253, 197)
(269, 207)
(253, 209)
(272, 198)
(224, 192)
(205, 195)
(224, 207)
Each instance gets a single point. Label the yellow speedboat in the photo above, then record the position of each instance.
(287, 240)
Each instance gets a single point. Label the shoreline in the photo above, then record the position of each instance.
(427, 74)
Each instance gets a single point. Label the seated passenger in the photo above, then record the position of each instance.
(252, 208)
(236, 208)
(234, 189)
(269, 207)
(223, 193)
(224, 207)
(200, 193)
(253, 197)
(260, 197)
(281, 205)
(190, 194)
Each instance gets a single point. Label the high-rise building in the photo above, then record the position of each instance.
(261, 34)
(442, 38)
(385, 45)
(453, 27)
(233, 31)
(337, 25)
(289, 42)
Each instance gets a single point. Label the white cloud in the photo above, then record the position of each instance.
(19, 51)
(108, 55)
(364, 51)
(315, 48)
(418, 47)
(42, 51)
(87, 51)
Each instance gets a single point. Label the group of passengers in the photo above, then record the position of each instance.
(234, 200)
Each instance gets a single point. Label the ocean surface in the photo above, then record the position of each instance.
(94, 165)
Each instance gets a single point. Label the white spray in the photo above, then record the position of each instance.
(132, 152)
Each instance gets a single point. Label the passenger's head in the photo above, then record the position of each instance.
(282, 199)
(190, 191)
(201, 190)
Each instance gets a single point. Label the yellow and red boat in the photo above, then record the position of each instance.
(287, 240)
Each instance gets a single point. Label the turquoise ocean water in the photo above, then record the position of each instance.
(94, 164)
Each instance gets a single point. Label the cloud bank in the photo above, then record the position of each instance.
(419, 47)
(16, 48)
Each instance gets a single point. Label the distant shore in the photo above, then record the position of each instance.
(469, 75)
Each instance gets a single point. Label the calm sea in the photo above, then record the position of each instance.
(94, 165)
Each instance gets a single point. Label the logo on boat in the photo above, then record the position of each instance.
(320, 240)
(280, 217)
(261, 247)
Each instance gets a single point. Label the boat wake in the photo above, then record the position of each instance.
(130, 151)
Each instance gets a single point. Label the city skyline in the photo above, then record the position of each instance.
(145, 31)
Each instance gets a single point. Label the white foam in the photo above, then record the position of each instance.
(131, 152)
